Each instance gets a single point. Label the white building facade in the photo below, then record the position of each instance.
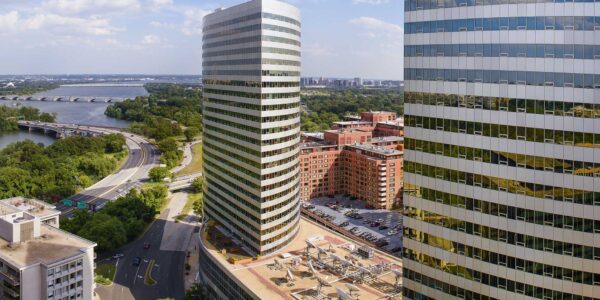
(502, 157)
(251, 75)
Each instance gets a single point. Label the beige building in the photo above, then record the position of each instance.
(37, 259)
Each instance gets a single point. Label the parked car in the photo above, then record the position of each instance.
(383, 227)
(146, 245)
(118, 255)
(344, 224)
(137, 261)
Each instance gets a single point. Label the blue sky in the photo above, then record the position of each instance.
(341, 38)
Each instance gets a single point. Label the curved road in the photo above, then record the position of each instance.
(142, 157)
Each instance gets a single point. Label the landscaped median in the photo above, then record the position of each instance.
(105, 273)
(148, 280)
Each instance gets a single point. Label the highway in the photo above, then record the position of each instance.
(142, 157)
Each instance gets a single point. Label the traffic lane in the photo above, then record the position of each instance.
(168, 273)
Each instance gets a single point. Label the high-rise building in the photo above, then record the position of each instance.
(251, 74)
(502, 177)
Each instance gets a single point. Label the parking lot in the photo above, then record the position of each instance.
(380, 227)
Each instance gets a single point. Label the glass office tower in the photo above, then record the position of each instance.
(502, 179)
(251, 76)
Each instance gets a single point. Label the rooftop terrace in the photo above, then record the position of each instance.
(317, 264)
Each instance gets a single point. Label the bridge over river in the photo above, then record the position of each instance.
(63, 99)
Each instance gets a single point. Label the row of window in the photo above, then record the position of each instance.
(255, 106)
(251, 50)
(251, 61)
(245, 138)
(254, 84)
(567, 23)
(505, 185)
(214, 211)
(281, 214)
(542, 107)
(295, 219)
(226, 286)
(253, 17)
(252, 39)
(251, 73)
(438, 285)
(572, 80)
(504, 236)
(531, 162)
(249, 161)
(505, 211)
(251, 118)
(510, 262)
(505, 50)
(254, 27)
(253, 95)
(238, 213)
(487, 279)
(211, 184)
(252, 129)
(252, 196)
(539, 135)
(413, 5)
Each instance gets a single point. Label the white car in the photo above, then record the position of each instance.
(118, 255)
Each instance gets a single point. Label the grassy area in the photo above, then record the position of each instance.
(105, 273)
(189, 205)
(120, 158)
(196, 164)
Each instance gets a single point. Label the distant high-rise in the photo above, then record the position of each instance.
(502, 159)
(251, 74)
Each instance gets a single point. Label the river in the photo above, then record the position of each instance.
(73, 112)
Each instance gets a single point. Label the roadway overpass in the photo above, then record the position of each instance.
(183, 182)
(63, 99)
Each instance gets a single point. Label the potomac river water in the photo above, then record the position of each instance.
(72, 112)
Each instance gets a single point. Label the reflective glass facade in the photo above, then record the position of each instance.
(251, 74)
(502, 150)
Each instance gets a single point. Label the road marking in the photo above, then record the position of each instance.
(136, 273)
(117, 263)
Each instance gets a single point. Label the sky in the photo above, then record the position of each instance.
(340, 38)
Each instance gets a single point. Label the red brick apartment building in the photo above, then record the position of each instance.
(356, 161)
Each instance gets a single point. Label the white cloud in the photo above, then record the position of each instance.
(378, 25)
(151, 40)
(89, 6)
(193, 21)
(372, 2)
(9, 21)
(57, 24)
(156, 5)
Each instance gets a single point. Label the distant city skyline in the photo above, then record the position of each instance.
(341, 38)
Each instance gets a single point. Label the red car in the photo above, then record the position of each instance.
(146, 245)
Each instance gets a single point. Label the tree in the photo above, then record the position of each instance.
(190, 133)
(197, 184)
(109, 232)
(196, 292)
(158, 174)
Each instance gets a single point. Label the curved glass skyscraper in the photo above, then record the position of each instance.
(502, 178)
(251, 75)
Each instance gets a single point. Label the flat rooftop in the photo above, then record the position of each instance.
(375, 149)
(316, 144)
(353, 123)
(53, 245)
(34, 207)
(387, 139)
(268, 276)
